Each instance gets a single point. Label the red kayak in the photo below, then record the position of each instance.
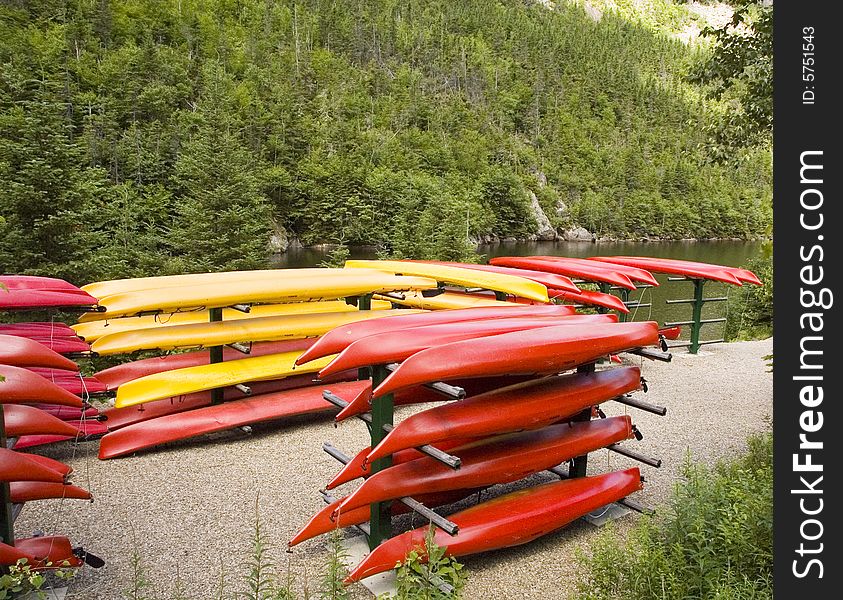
(339, 338)
(24, 352)
(502, 459)
(36, 282)
(20, 299)
(72, 382)
(68, 413)
(224, 416)
(590, 298)
(358, 466)
(39, 552)
(509, 520)
(24, 386)
(395, 346)
(529, 405)
(685, 268)
(63, 345)
(420, 394)
(545, 350)
(634, 273)
(15, 466)
(50, 463)
(598, 274)
(28, 420)
(117, 376)
(88, 429)
(30, 491)
(327, 519)
(51, 329)
(549, 280)
(671, 333)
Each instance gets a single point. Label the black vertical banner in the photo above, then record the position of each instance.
(807, 261)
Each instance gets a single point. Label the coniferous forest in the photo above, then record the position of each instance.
(146, 137)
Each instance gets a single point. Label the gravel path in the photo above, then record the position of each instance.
(187, 509)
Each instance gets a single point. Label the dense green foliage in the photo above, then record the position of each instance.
(740, 70)
(751, 307)
(152, 136)
(716, 543)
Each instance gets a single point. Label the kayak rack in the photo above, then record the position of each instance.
(696, 322)
(452, 392)
(641, 405)
(452, 461)
(441, 522)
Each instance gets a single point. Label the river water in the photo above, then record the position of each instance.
(731, 253)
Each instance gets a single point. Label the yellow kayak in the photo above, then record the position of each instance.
(443, 301)
(93, 330)
(179, 382)
(467, 278)
(213, 295)
(100, 289)
(263, 329)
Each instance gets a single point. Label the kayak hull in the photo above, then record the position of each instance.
(219, 333)
(15, 466)
(420, 394)
(25, 387)
(24, 352)
(510, 520)
(185, 425)
(207, 377)
(591, 298)
(683, 268)
(92, 330)
(597, 274)
(340, 338)
(116, 376)
(549, 280)
(633, 273)
(31, 491)
(528, 405)
(54, 552)
(28, 420)
(329, 518)
(545, 350)
(468, 278)
(396, 346)
(300, 289)
(492, 461)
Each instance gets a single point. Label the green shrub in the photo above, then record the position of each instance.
(751, 307)
(715, 542)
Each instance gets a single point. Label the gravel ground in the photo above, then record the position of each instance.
(188, 510)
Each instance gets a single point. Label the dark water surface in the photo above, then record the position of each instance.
(731, 253)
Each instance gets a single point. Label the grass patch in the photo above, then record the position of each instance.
(714, 542)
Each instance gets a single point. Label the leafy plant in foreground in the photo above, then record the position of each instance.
(425, 569)
(335, 571)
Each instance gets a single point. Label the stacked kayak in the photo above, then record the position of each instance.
(24, 292)
(498, 434)
(272, 316)
(29, 477)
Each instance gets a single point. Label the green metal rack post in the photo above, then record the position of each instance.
(216, 356)
(579, 464)
(696, 321)
(380, 523)
(696, 316)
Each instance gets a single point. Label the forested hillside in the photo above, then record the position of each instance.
(157, 136)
